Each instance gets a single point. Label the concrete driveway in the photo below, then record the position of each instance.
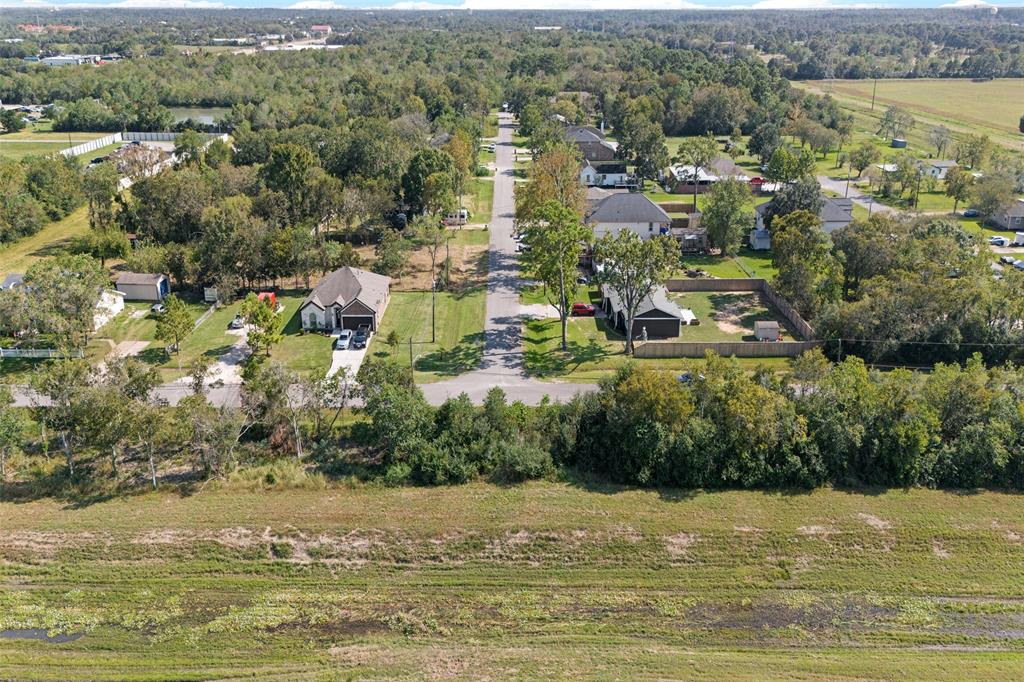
(350, 358)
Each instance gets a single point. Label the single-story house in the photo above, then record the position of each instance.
(887, 168)
(725, 167)
(606, 174)
(767, 330)
(657, 314)
(681, 179)
(937, 168)
(628, 211)
(143, 286)
(834, 214)
(1011, 218)
(346, 299)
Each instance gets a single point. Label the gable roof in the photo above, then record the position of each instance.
(942, 163)
(348, 284)
(140, 278)
(628, 207)
(584, 134)
(836, 210)
(657, 301)
(833, 210)
(1016, 210)
(588, 147)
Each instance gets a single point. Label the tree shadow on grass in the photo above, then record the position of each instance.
(541, 362)
(463, 357)
(153, 356)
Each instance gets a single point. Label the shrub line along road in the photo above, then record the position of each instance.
(502, 361)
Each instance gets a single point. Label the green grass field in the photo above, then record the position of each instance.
(35, 143)
(545, 580)
(459, 332)
(55, 238)
(478, 199)
(963, 105)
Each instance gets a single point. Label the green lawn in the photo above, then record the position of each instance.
(458, 347)
(595, 351)
(299, 351)
(478, 199)
(716, 266)
(739, 310)
(521, 582)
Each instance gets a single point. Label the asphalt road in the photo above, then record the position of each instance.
(839, 187)
(502, 362)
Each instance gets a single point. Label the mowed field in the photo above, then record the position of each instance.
(963, 105)
(30, 143)
(545, 580)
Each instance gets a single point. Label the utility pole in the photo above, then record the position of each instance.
(874, 89)
(412, 363)
(849, 169)
(433, 310)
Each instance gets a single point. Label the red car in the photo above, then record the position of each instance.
(583, 309)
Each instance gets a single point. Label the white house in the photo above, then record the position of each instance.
(143, 286)
(598, 174)
(348, 298)
(938, 168)
(628, 211)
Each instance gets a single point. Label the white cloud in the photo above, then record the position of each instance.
(807, 4)
(967, 4)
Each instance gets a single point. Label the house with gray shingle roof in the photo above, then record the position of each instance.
(346, 299)
(628, 211)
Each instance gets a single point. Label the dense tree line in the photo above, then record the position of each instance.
(714, 426)
(37, 189)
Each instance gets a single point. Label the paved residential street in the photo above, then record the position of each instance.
(856, 196)
(502, 363)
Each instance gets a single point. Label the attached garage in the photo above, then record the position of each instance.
(348, 298)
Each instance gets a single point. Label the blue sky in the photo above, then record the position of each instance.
(502, 4)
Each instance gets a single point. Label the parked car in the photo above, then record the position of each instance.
(971, 213)
(1007, 260)
(998, 241)
(490, 147)
(582, 310)
(582, 279)
(344, 340)
(237, 322)
(361, 337)
(158, 308)
(1019, 264)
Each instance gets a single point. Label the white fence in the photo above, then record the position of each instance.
(39, 353)
(91, 145)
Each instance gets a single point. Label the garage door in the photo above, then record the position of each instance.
(355, 321)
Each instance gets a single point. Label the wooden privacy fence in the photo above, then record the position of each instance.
(39, 353)
(798, 323)
(739, 349)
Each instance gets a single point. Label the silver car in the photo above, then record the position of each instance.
(344, 340)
